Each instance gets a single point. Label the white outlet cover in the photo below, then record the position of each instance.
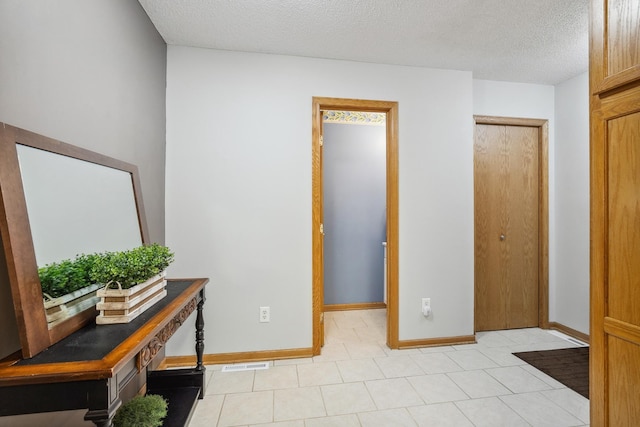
(265, 314)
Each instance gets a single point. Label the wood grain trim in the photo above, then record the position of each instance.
(346, 104)
(22, 268)
(433, 342)
(543, 225)
(11, 359)
(393, 233)
(251, 356)
(356, 306)
(600, 81)
(106, 367)
(55, 373)
(597, 45)
(622, 330)
(569, 331)
(391, 109)
(317, 237)
(543, 203)
(618, 80)
(157, 343)
(618, 103)
(598, 235)
(508, 121)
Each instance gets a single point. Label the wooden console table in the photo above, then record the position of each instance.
(99, 367)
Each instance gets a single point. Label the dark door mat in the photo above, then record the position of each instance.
(570, 366)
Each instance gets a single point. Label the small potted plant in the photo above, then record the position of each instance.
(133, 281)
(141, 411)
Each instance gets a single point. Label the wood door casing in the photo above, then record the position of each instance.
(391, 110)
(322, 234)
(509, 193)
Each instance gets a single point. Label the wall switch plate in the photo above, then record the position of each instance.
(265, 314)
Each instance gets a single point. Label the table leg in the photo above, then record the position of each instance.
(200, 333)
(103, 417)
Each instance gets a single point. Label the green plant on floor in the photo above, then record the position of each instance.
(128, 268)
(63, 277)
(142, 411)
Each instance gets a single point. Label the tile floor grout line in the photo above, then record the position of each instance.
(363, 348)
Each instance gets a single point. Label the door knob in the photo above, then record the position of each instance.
(502, 237)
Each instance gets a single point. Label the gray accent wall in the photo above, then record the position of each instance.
(93, 74)
(354, 184)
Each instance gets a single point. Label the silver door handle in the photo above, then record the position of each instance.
(502, 237)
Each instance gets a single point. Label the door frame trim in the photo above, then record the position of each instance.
(543, 204)
(391, 109)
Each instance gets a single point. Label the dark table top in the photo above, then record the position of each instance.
(94, 342)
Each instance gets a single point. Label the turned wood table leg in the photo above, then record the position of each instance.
(200, 333)
(200, 369)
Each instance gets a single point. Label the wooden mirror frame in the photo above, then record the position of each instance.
(17, 239)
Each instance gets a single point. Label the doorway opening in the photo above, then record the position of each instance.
(354, 209)
(390, 110)
(511, 223)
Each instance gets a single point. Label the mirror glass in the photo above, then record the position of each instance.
(75, 207)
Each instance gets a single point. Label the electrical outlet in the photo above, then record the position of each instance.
(265, 314)
(426, 307)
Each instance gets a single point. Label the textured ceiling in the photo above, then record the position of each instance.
(533, 41)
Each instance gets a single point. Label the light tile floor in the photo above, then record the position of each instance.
(359, 381)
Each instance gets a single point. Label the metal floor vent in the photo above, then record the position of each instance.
(568, 338)
(245, 367)
(576, 342)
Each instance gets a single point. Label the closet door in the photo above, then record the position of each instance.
(506, 198)
(615, 212)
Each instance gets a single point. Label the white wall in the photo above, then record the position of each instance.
(238, 193)
(572, 203)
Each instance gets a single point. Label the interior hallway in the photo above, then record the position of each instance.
(358, 381)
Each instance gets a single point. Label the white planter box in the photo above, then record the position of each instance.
(124, 305)
(61, 308)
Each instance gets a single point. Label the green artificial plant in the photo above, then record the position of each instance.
(142, 411)
(63, 277)
(125, 267)
(128, 268)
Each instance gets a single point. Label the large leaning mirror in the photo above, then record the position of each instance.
(59, 201)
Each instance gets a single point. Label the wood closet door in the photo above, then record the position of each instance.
(506, 226)
(615, 213)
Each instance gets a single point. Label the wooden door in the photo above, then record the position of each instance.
(506, 184)
(615, 213)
